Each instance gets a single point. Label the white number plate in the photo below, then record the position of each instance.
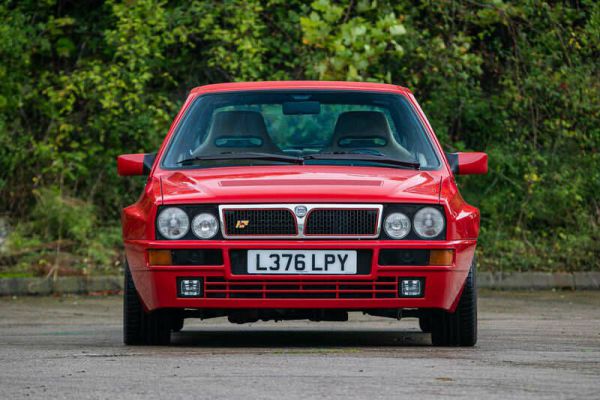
(302, 262)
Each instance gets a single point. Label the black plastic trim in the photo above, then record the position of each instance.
(148, 163)
(197, 257)
(453, 161)
(388, 257)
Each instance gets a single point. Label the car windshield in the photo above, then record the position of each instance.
(300, 127)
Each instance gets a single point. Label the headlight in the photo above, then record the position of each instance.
(428, 222)
(205, 226)
(173, 223)
(397, 225)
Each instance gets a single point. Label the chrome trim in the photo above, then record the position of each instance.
(301, 220)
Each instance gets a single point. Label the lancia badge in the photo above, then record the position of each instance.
(300, 211)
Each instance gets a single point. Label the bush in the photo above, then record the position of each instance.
(62, 236)
(57, 217)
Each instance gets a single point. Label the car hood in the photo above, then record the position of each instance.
(299, 184)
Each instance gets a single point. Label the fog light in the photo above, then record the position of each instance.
(411, 288)
(189, 287)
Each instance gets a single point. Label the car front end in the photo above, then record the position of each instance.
(295, 239)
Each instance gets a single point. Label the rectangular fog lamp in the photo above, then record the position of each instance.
(411, 288)
(189, 287)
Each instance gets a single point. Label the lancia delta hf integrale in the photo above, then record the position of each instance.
(300, 200)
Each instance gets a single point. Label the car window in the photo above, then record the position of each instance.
(299, 123)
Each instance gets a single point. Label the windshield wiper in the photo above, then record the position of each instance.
(243, 156)
(300, 160)
(363, 157)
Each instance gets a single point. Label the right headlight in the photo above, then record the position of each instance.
(205, 226)
(428, 222)
(173, 223)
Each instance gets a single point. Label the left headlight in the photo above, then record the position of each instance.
(173, 223)
(397, 225)
(428, 222)
(205, 226)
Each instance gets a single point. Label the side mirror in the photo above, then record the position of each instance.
(472, 163)
(135, 164)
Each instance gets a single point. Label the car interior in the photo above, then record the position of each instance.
(239, 131)
(301, 128)
(355, 131)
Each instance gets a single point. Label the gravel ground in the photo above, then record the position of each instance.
(531, 345)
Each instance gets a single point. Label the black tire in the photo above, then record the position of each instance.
(177, 323)
(425, 324)
(132, 311)
(140, 327)
(157, 328)
(458, 328)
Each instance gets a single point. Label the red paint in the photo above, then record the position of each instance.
(291, 184)
(130, 164)
(300, 184)
(472, 163)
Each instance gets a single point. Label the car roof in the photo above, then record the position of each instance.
(271, 85)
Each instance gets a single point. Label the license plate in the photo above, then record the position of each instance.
(309, 262)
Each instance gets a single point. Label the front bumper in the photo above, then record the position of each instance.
(157, 285)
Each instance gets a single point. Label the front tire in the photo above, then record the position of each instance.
(458, 328)
(425, 324)
(140, 327)
(177, 323)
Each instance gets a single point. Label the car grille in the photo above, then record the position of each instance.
(382, 288)
(353, 221)
(341, 222)
(260, 222)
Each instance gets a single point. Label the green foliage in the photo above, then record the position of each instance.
(58, 217)
(63, 229)
(361, 46)
(83, 82)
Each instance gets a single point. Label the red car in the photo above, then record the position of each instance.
(300, 200)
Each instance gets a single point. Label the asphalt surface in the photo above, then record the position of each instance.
(532, 345)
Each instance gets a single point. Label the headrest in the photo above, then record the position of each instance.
(361, 123)
(367, 130)
(238, 123)
(239, 130)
